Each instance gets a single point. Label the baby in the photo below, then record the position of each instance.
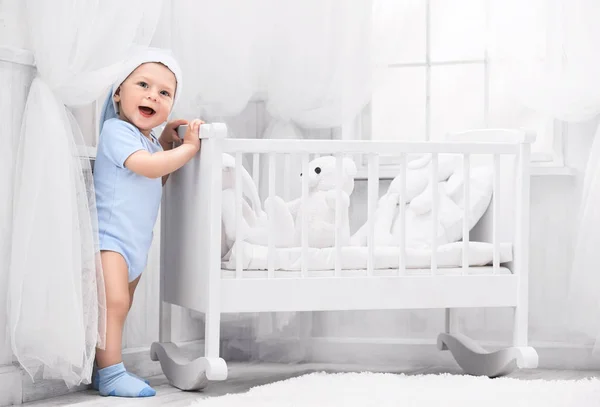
(131, 167)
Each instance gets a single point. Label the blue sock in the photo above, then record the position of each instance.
(96, 378)
(115, 381)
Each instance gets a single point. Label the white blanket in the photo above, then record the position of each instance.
(255, 257)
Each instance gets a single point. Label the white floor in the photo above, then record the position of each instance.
(244, 376)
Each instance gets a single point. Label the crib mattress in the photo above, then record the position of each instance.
(355, 259)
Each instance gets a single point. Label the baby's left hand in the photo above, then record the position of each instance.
(169, 134)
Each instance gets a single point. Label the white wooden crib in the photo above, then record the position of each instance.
(191, 264)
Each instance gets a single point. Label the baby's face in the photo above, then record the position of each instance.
(146, 97)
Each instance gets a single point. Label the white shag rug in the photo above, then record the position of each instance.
(398, 390)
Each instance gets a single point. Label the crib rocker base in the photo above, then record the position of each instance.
(476, 361)
(185, 373)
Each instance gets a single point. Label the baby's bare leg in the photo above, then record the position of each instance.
(132, 287)
(113, 379)
(131, 290)
(117, 307)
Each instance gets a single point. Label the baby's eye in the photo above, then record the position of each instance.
(165, 93)
(143, 84)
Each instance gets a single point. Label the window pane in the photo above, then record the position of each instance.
(398, 107)
(506, 111)
(457, 98)
(457, 29)
(409, 33)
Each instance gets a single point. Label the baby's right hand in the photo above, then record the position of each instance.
(192, 135)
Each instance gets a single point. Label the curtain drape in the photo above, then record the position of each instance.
(548, 54)
(56, 291)
(311, 61)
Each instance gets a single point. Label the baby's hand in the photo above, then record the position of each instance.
(192, 135)
(169, 134)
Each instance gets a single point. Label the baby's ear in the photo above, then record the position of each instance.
(117, 95)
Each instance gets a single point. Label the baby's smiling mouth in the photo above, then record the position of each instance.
(146, 111)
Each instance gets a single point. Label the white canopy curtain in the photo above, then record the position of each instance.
(215, 43)
(318, 73)
(311, 61)
(56, 293)
(548, 50)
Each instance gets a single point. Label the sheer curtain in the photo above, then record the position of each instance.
(215, 44)
(548, 51)
(318, 73)
(311, 61)
(56, 292)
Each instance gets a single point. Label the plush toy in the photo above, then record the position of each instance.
(319, 208)
(418, 174)
(254, 226)
(418, 204)
(418, 178)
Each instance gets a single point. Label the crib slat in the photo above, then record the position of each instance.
(286, 177)
(238, 215)
(495, 217)
(272, 225)
(434, 211)
(304, 225)
(466, 195)
(256, 169)
(373, 192)
(402, 216)
(521, 243)
(338, 213)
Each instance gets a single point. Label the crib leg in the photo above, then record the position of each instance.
(450, 321)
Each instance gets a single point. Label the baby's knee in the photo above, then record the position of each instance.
(118, 303)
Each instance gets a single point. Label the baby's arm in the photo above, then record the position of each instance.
(165, 162)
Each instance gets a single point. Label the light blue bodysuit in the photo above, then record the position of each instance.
(127, 203)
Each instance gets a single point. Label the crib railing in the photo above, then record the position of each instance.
(496, 143)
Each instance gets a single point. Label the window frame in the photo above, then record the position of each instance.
(544, 162)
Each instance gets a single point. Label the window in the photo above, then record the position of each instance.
(441, 80)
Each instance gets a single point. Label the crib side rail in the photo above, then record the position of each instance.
(496, 143)
(191, 232)
(279, 146)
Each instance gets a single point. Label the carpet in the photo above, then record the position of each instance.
(398, 390)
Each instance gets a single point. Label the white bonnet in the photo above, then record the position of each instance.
(139, 56)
